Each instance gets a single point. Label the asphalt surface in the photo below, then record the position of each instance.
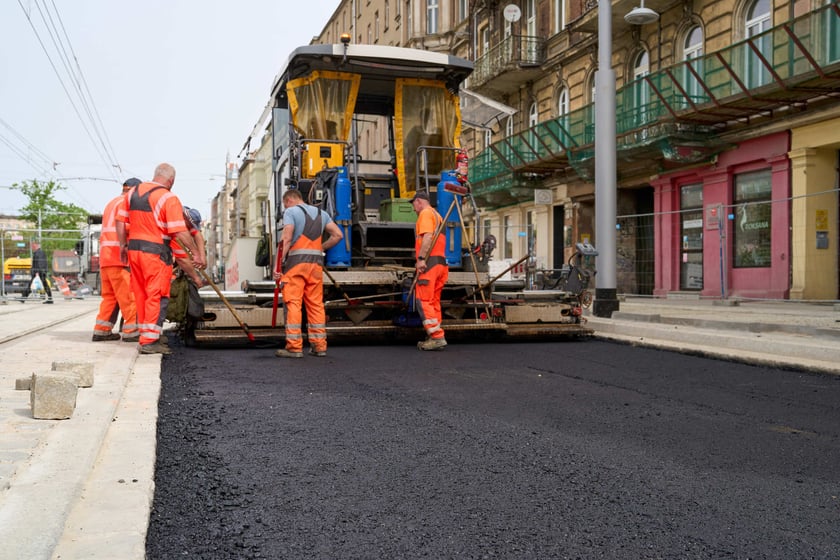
(554, 450)
(83, 487)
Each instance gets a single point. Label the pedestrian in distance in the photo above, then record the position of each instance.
(39, 269)
(303, 276)
(148, 219)
(115, 277)
(431, 270)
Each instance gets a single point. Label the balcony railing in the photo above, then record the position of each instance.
(788, 65)
(513, 52)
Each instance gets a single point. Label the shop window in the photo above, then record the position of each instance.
(751, 229)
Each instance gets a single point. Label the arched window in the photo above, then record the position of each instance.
(563, 102)
(488, 137)
(757, 20)
(692, 53)
(509, 127)
(563, 132)
(640, 94)
(533, 120)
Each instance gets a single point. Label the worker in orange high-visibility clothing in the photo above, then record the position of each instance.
(192, 218)
(115, 278)
(303, 276)
(152, 212)
(432, 271)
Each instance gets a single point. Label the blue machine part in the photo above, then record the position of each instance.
(453, 225)
(339, 255)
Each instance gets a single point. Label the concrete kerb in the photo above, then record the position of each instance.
(111, 517)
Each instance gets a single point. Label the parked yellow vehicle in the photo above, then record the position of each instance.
(17, 274)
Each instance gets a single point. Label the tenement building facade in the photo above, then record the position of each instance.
(727, 123)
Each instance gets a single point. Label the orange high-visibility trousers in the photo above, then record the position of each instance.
(116, 290)
(427, 297)
(304, 285)
(150, 281)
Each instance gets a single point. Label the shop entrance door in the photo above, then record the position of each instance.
(691, 237)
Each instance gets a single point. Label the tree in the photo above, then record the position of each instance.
(58, 222)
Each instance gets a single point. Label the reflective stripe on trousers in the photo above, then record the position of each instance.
(150, 281)
(303, 284)
(427, 298)
(116, 297)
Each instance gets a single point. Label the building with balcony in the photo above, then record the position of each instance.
(727, 163)
(727, 134)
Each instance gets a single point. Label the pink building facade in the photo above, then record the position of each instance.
(723, 230)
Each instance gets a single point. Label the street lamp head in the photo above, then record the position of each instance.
(641, 15)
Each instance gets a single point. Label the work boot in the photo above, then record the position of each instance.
(105, 337)
(48, 301)
(155, 348)
(432, 344)
(318, 353)
(134, 337)
(283, 353)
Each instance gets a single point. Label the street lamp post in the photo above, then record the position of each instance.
(606, 297)
(606, 177)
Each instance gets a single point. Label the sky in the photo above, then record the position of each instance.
(177, 81)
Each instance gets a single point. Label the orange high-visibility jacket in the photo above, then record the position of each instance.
(109, 245)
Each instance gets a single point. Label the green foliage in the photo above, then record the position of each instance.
(59, 221)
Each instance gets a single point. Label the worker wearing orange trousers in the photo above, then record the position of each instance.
(153, 213)
(431, 269)
(303, 276)
(114, 278)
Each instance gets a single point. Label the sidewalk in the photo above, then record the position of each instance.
(83, 487)
(773, 333)
(77, 488)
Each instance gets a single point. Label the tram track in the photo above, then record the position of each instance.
(8, 314)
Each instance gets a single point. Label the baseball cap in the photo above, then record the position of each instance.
(420, 194)
(193, 215)
(133, 182)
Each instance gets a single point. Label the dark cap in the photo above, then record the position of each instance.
(421, 195)
(193, 215)
(133, 182)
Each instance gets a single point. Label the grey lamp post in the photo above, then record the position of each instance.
(606, 187)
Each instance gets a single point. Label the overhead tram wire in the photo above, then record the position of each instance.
(106, 158)
(104, 138)
(40, 162)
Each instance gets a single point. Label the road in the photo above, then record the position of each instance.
(564, 450)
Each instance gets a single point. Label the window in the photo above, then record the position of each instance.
(432, 16)
(563, 102)
(509, 127)
(376, 27)
(640, 93)
(757, 21)
(692, 55)
(832, 35)
(507, 233)
(531, 45)
(752, 227)
(369, 34)
(533, 120)
(563, 116)
(387, 12)
(462, 10)
(488, 137)
(533, 115)
(559, 15)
